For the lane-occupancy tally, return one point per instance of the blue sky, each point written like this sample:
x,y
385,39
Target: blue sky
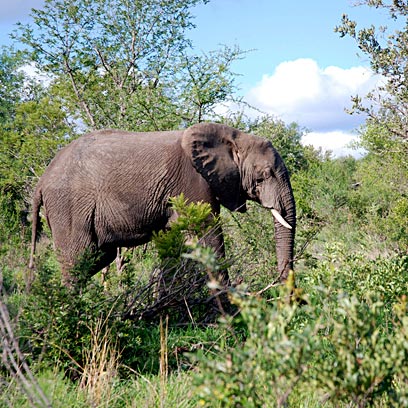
x,y
298,69
280,30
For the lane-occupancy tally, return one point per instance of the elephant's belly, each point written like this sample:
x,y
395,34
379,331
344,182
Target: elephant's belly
x,y
128,232
129,241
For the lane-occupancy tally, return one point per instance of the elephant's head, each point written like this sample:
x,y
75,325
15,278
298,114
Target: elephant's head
x,y
239,166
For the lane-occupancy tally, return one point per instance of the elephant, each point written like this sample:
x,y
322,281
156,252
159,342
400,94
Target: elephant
x,y
111,188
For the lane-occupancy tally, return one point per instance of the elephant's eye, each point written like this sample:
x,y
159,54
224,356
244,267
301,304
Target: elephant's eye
x,y
267,174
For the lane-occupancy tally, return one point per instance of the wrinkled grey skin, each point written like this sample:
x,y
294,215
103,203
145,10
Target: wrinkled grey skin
x,y
111,188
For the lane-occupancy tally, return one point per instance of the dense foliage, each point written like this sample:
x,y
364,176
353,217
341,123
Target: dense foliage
x,y
337,338
132,68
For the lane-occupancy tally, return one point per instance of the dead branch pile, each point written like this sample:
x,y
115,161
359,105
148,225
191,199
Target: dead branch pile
x,y
13,363
181,292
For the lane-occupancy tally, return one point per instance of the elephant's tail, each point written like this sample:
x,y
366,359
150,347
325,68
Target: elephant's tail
x,y
36,223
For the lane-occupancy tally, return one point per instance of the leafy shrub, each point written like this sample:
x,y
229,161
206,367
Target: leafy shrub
x,y
57,322
359,358
250,246
380,201
354,274
194,221
267,367
343,347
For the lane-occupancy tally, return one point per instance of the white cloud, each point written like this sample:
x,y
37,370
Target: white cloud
x,y
300,91
336,141
33,72
315,98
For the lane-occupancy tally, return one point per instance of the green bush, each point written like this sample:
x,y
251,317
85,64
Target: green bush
x,y
357,358
266,368
348,345
56,322
194,221
354,274
250,246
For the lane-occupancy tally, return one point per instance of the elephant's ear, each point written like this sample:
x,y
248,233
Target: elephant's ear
x,y
213,151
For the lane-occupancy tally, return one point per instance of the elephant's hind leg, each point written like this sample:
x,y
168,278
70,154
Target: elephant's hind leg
x,y
104,257
78,271
77,250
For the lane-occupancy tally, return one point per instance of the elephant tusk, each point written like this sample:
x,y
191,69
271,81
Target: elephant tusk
x,y
280,219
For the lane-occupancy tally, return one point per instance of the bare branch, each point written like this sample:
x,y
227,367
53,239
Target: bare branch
x,y
15,362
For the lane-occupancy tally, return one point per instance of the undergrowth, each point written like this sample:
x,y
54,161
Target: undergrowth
x,y
341,342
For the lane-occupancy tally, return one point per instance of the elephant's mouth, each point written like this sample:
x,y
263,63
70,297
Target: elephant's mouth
x,y
280,219
275,212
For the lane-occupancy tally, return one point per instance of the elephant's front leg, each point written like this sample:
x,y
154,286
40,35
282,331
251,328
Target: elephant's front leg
x,y
219,295
215,240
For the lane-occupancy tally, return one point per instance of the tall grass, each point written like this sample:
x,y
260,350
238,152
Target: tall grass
x,y
101,364
164,361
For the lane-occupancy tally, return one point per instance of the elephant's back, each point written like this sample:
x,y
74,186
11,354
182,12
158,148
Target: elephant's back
x,y
108,148
114,143
110,160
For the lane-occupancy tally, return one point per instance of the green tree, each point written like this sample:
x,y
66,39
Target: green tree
x,y
387,51
383,174
33,126
204,81
11,83
128,64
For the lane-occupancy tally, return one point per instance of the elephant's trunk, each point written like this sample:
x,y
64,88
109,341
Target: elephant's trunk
x,y
285,237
